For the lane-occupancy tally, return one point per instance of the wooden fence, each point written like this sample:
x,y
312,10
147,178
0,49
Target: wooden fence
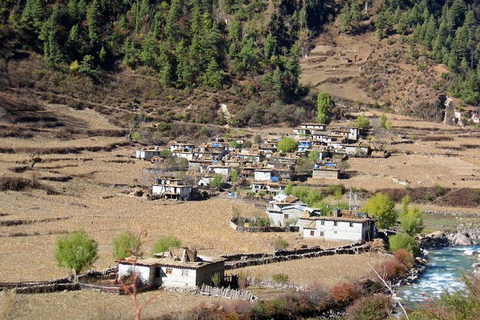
x,y
228,293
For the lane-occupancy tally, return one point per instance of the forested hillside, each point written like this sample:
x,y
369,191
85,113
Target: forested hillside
x,y
158,61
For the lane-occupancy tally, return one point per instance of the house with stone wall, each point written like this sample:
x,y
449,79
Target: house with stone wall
x,y
354,228
184,268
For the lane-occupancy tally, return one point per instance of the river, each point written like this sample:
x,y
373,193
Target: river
x,y
444,271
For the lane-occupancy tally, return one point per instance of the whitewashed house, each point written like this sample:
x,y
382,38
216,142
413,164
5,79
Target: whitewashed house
x,y
263,174
189,155
291,215
147,154
267,187
357,151
219,169
181,147
286,209
170,270
307,129
339,228
171,188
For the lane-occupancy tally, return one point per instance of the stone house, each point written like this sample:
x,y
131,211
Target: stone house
x,y
171,269
339,228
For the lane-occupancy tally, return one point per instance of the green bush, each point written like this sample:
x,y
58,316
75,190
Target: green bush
x,y
126,245
280,243
362,122
281,278
165,243
287,144
439,190
412,222
404,241
216,279
76,251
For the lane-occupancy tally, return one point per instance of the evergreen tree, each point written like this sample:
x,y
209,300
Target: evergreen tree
x,y
33,14
93,19
147,55
49,36
430,32
213,76
384,23
457,14
270,45
277,80
174,14
72,45
183,71
235,31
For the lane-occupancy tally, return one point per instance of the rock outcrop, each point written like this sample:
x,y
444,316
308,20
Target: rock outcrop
x,y
460,239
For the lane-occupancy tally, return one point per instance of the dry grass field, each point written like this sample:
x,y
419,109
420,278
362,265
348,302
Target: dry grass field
x,y
79,180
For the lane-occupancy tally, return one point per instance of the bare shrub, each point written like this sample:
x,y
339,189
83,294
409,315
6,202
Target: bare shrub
x,y
374,307
393,269
344,293
316,294
404,257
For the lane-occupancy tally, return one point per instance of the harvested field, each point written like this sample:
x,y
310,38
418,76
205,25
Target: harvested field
x,y
87,305
328,270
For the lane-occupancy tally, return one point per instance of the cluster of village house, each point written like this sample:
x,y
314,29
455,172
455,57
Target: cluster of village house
x,y
267,171
263,166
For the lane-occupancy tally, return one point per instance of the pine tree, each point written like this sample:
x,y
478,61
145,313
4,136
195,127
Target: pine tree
x,y
457,14
174,14
235,31
270,45
196,18
33,14
430,32
184,72
49,36
72,45
93,19
147,55
213,76
384,23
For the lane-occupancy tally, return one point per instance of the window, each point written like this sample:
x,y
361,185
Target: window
x,y
312,232
322,234
351,224
157,272
285,216
184,273
335,223
168,271
322,223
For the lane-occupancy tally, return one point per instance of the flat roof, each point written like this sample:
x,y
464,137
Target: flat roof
x,y
166,262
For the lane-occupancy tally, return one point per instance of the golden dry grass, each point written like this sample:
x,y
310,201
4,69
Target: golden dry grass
x,y
328,271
